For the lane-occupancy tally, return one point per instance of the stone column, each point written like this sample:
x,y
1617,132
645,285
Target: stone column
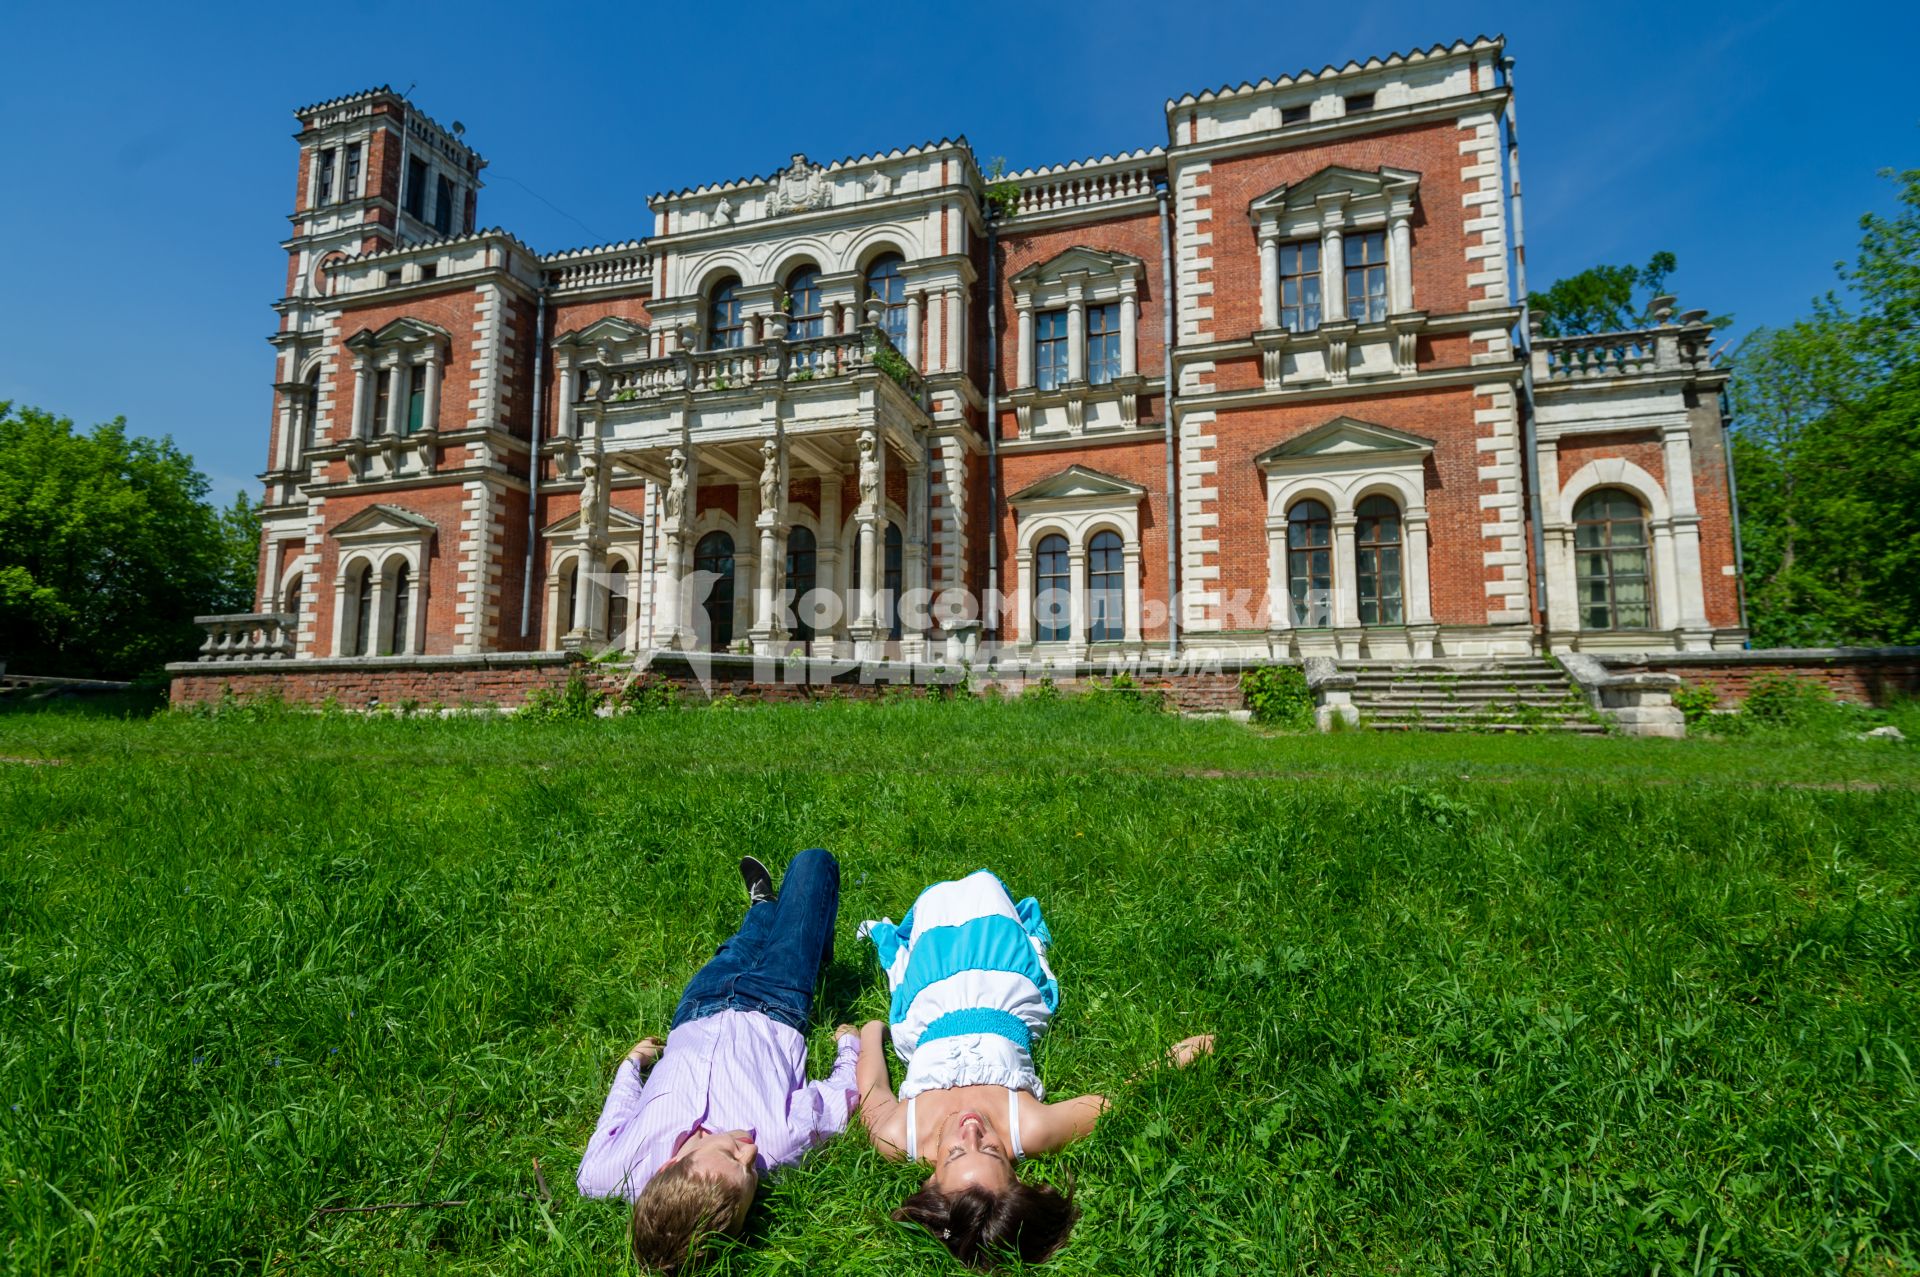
x,y
954,329
1689,589
1414,578
913,574
746,561
1269,279
867,635
1076,601
1129,328
1333,272
430,401
564,424
676,522
396,399
1346,572
1400,258
1279,601
768,630
1131,580
1076,335
1024,356
1665,570
916,308
362,397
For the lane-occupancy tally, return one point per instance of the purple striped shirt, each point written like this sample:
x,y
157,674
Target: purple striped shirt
x,y
734,1070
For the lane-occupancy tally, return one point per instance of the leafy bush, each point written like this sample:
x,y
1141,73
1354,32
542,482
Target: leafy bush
x,y
1124,689
1697,701
647,693
1044,690
576,702
1277,695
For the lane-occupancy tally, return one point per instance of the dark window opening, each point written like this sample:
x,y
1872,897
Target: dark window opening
x,y
443,207
324,190
885,284
350,185
1295,114
802,576
1310,564
1359,103
714,554
1106,588
416,200
1052,590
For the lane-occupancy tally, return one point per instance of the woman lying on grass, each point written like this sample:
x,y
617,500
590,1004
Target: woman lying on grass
x,y
971,991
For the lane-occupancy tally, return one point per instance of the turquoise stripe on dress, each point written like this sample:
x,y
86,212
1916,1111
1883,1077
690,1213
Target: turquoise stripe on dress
x,y
994,943
958,1024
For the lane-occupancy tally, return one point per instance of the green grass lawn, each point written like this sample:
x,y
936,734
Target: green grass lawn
x,y
1533,1005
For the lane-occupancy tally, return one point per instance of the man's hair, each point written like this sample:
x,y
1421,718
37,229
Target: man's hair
x,y
982,1227
676,1213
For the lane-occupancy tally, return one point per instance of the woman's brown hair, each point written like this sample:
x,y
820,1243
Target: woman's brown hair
x,y
981,1227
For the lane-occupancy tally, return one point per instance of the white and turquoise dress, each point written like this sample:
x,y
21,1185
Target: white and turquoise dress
x,y
971,988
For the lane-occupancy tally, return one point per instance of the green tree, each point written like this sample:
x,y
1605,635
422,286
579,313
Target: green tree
x,y
1827,442
1605,299
108,549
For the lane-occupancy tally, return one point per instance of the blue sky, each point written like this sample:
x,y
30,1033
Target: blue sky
x,y
150,164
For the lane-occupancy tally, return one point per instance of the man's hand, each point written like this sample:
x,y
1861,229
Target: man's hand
x,y
645,1052
1187,1050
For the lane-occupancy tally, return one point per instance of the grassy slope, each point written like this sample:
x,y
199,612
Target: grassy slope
x,y
1538,1004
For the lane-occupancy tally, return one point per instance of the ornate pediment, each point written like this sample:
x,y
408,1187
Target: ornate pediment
x,y
381,522
1355,184
1078,260
618,522
1344,438
802,187
612,330
401,332
1077,485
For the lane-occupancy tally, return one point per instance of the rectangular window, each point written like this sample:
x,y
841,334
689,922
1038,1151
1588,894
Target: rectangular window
x,y
382,396
391,278
323,190
1359,103
1295,114
350,183
443,207
416,397
430,271
1367,277
1103,343
1050,349
1300,286
416,199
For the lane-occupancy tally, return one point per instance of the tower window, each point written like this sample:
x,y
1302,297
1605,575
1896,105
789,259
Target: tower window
x,y
1359,103
1295,114
350,183
443,206
323,190
416,200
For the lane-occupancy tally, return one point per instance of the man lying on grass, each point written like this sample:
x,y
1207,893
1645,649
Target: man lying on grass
x,y
728,1097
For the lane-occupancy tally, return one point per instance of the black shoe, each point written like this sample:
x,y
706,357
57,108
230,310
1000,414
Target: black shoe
x,y
760,888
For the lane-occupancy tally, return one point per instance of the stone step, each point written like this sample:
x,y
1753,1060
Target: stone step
x,y
1505,680
1468,702
1578,727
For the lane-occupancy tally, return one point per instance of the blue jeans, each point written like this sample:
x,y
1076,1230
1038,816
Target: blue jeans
x,y
772,963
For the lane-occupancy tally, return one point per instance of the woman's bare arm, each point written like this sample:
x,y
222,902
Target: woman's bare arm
x,y
884,1117
1059,1124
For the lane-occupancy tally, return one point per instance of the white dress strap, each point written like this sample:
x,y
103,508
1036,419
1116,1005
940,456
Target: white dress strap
x,y
1013,1123
913,1132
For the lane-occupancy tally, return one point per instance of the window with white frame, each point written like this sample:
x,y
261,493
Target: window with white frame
x,y
1300,285
1050,350
1103,343
397,379
1366,277
1078,314
1336,244
1053,589
1106,588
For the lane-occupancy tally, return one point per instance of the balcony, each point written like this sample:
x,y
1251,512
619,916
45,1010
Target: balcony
x,y
247,636
1681,349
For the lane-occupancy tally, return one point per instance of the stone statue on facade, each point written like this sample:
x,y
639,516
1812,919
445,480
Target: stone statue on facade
x,y
674,503
869,472
593,501
770,476
723,212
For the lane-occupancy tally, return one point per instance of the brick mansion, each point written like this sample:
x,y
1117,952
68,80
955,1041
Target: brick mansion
x,y
1263,388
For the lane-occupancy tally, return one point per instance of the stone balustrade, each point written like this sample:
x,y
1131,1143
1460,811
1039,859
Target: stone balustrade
x,y
1668,348
597,268
1053,190
776,359
247,636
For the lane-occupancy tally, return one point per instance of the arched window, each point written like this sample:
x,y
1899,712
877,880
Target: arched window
x,y
1377,561
570,602
309,417
290,600
1052,590
715,554
1106,588
360,590
1310,564
802,574
399,607
1610,561
725,328
803,303
884,283
617,603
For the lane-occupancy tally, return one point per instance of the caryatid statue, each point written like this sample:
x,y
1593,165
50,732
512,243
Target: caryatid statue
x,y
869,472
675,501
770,485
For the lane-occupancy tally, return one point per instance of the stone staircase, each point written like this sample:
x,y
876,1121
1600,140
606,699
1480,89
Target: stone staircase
x,y
1499,694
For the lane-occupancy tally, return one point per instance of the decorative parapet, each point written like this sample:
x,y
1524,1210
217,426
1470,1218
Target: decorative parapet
x,y
1666,349
626,265
1637,703
775,360
1086,184
247,636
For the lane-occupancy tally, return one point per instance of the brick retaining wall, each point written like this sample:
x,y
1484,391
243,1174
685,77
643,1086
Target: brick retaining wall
x,y
1863,675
